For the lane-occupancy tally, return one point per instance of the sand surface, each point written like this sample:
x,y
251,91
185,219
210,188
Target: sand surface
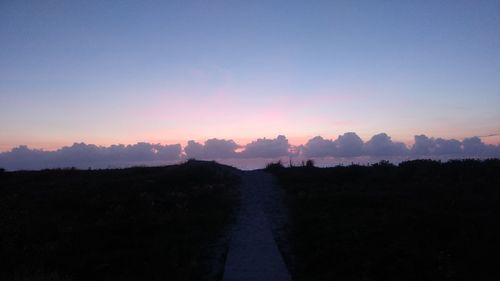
x,y
253,252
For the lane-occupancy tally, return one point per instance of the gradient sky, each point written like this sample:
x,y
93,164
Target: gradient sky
x,y
107,72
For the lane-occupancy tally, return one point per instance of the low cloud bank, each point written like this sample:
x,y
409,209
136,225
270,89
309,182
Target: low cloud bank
x,y
227,149
212,149
267,148
83,155
351,145
346,146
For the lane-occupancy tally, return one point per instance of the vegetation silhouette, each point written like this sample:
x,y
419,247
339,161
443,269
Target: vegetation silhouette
x,y
122,224
419,220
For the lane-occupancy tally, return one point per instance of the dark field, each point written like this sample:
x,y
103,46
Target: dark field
x,y
127,224
421,220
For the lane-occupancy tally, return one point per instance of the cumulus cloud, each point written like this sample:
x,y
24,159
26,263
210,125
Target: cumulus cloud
x,y
23,157
447,147
475,147
212,149
267,148
319,147
423,146
194,150
472,147
224,149
382,145
348,145
83,155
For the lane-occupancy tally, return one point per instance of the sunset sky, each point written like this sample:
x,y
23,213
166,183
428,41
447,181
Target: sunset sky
x,y
109,72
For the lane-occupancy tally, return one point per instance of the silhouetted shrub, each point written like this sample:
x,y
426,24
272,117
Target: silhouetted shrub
x,y
275,166
384,163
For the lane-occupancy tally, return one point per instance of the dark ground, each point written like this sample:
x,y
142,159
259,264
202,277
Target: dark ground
x,y
421,220
127,224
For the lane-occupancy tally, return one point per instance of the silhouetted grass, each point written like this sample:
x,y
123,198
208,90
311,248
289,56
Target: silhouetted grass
x,y
123,224
421,220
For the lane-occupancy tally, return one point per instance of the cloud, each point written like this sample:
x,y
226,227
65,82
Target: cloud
x,y
212,149
447,147
24,158
382,145
472,147
423,146
224,149
194,150
348,145
267,148
220,148
83,155
319,147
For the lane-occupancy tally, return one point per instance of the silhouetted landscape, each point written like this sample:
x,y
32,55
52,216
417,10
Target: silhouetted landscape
x,y
420,220
235,140
125,224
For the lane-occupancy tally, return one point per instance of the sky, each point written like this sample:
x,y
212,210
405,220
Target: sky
x,y
166,72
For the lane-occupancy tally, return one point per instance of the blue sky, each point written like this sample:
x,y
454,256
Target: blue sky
x,y
108,72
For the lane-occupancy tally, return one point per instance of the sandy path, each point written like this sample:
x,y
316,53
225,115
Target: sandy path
x,y
253,252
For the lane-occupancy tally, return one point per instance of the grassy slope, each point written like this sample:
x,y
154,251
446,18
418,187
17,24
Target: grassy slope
x,y
423,220
124,224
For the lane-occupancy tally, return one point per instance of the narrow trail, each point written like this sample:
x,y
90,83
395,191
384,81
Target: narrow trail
x,y
253,252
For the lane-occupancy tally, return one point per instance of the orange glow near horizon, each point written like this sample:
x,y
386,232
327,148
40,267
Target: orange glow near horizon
x,y
494,140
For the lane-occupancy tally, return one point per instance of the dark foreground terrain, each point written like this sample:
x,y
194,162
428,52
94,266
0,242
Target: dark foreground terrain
x,y
421,220
124,224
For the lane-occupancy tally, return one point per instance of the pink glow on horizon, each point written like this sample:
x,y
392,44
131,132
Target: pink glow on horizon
x,y
494,140
171,117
